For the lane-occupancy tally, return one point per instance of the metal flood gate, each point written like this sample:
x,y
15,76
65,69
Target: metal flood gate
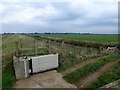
x,y
24,66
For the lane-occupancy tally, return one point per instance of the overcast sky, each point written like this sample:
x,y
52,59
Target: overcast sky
x,y
78,16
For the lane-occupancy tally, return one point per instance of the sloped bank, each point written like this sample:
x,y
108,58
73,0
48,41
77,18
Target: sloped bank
x,y
80,43
72,51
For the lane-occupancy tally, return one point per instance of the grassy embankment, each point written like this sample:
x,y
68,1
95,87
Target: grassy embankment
x,y
8,50
71,60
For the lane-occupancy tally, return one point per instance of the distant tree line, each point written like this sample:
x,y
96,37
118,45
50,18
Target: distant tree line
x,y
45,33
62,33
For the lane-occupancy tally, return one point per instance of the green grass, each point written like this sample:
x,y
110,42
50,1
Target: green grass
x,y
68,62
8,78
109,76
71,60
87,69
0,77
9,46
91,37
40,51
8,50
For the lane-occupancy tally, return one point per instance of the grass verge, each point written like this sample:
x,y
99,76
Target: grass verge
x,y
109,76
71,60
8,78
8,50
82,72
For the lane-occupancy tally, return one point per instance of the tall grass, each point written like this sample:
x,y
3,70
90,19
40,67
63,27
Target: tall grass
x,y
89,68
8,50
110,75
9,47
8,77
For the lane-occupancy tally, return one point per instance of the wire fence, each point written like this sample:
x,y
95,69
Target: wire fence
x,y
26,48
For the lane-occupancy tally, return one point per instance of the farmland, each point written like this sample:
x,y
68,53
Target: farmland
x,y
83,37
76,62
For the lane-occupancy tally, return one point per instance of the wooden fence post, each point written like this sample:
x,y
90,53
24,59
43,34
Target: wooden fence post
x,y
49,46
21,46
35,49
62,44
17,50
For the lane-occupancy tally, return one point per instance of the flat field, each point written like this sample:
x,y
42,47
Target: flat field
x,y
85,37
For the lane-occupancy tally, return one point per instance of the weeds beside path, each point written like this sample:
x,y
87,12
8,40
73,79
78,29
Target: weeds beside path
x,y
93,76
69,70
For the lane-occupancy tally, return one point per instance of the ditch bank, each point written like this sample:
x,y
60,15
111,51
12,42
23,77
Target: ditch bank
x,y
80,43
72,52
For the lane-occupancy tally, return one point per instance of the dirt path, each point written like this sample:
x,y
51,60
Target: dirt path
x,y
93,76
69,70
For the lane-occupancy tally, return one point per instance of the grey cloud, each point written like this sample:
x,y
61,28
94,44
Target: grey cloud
x,y
67,19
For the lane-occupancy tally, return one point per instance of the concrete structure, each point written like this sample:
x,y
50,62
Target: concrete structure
x,y
46,62
21,67
24,66
115,84
50,79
